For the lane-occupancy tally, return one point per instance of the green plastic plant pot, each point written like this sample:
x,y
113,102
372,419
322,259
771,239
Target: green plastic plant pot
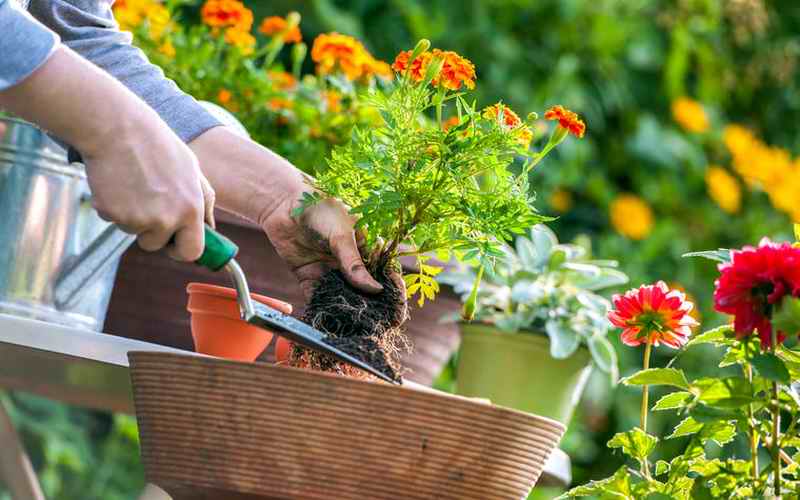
x,y
516,370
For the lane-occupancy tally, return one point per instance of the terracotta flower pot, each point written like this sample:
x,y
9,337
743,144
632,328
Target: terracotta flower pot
x,y
213,429
217,327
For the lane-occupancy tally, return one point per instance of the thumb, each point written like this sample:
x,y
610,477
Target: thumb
x,y
345,250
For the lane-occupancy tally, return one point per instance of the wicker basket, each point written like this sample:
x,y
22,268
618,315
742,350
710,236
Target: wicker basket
x,y
219,429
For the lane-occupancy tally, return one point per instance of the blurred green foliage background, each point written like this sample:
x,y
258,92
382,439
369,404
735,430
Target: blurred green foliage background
x,y
621,65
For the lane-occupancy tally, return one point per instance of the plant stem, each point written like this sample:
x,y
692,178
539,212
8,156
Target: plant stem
x,y
776,427
750,424
645,406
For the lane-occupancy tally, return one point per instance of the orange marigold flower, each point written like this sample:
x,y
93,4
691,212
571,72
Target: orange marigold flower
x,y
224,96
456,71
416,68
282,80
509,118
241,39
279,103
167,49
450,123
275,25
227,14
333,100
378,68
524,136
567,120
333,51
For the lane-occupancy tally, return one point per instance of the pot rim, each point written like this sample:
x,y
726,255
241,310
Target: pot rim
x,y
224,292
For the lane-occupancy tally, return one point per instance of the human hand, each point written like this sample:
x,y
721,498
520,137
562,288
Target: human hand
x,y
254,182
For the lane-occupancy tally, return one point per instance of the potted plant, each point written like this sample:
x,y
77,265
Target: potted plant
x,y
422,185
539,325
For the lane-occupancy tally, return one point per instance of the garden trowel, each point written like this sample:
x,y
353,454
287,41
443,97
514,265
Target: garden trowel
x,y
219,254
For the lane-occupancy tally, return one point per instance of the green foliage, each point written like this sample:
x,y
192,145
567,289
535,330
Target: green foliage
x,y
713,409
541,285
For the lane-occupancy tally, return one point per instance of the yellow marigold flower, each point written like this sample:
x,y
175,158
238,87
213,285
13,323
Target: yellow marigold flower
x,y
631,216
167,49
282,80
332,51
456,71
227,14
561,200
275,25
158,18
568,120
241,39
738,139
333,101
690,115
724,189
224,96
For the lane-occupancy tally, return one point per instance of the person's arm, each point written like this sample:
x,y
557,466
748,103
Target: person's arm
x,y
25,44
252,181
88,27
142,176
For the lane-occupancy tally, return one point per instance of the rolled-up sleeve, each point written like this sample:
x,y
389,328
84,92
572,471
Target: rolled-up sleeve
x,y
88,27
25,44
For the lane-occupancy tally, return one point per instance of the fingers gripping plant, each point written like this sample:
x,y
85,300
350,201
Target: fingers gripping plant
x,y
420,185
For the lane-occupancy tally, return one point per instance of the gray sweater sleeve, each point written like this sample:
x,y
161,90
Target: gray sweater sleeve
x,y
88,27
25,44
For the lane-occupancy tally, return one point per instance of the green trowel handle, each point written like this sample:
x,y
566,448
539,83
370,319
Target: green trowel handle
x,y
218,252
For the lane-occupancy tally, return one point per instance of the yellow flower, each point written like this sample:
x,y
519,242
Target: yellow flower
x,y
690,115
167,49
631,216
241,39
158,19
723,189
561,200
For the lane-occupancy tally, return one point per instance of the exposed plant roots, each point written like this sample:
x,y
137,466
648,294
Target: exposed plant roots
x,y
368,327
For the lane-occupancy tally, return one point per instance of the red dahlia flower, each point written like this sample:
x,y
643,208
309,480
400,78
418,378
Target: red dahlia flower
x,y
654,314
754,283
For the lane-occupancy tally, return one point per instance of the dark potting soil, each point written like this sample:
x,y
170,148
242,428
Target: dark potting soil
x,y
366,326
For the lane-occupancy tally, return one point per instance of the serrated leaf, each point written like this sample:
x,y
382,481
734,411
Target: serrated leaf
x,y
662,467
686,427
635,443
771,367
717,336
658,376
728,392
616,486
673,401
707,414
720,432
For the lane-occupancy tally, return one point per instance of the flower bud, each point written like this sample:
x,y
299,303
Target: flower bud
x,y
532,117
422,46
292,20
434,68
468,311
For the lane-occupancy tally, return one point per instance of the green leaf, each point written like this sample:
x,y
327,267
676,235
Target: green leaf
x,y
771,367
787,316
635,443
658,376
721,255
708,414
662,467
720,432
729,392
686,427
717,336
563,341
673,401
616,486
604,355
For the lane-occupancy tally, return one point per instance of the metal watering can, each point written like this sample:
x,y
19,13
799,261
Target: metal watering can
x,y
58,259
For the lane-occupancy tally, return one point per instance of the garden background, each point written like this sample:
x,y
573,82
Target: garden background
x,y
690,108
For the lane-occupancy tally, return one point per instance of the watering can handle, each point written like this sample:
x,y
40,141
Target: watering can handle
x,y
111,244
